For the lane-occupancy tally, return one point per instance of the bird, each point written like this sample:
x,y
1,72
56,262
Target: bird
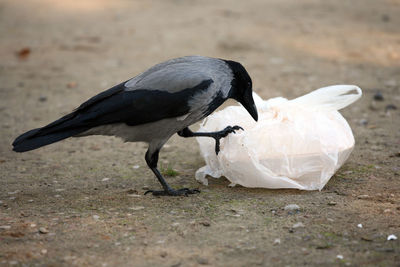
x,y
154,105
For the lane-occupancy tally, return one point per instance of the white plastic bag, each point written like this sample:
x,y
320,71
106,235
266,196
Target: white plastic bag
x,y
299,143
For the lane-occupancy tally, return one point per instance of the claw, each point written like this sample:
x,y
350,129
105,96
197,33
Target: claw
x,y
180,192
224,133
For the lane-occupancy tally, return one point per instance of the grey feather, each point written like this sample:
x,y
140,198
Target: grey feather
x,y
181,73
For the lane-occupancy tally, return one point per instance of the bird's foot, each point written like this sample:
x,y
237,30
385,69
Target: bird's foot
x,y
224,133
228,130
171,192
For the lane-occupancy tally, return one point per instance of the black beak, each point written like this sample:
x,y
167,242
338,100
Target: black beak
x,y
248,104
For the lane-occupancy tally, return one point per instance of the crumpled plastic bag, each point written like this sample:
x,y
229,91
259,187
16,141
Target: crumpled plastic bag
x,y
297,143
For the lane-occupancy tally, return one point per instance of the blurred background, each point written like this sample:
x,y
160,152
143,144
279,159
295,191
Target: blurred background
x,y
288,46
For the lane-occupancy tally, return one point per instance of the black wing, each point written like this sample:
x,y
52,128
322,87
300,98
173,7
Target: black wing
x,y
115,105
135,107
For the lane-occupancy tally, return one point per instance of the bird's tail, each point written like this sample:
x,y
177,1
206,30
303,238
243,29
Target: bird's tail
x,y
58,130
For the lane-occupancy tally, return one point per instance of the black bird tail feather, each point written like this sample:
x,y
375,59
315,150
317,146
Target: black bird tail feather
x,y
94,112
58,130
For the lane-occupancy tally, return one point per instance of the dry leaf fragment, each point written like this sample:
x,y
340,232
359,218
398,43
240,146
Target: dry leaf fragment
x,y
24,53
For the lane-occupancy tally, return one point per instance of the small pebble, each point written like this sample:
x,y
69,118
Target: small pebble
x,y
134,195
105,179
359,225
277,241
363,196
72,84
132,191
30,200
202,261
298,225
137,208
96,217
43,251
175,224
391,237
43,230
136,166
390,107
363,122
5,227
340,257
332,203
292,207
43,98
373,106
232,215
33,225
205,223
378,96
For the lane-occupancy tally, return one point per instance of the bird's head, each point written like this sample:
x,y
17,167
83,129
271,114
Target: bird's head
x,y
241,89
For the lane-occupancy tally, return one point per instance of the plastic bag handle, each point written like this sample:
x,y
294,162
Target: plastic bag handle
x,y
333,97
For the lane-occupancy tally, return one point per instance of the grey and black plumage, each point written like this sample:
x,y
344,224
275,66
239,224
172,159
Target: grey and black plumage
x,y
151,107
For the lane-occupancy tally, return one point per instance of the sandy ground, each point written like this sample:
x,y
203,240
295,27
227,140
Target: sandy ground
x,y
80,202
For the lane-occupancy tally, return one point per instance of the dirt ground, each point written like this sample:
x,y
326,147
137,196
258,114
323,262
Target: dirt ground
x,y
80,202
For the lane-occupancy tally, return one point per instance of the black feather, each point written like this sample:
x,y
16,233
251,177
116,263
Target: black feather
x,y
27,144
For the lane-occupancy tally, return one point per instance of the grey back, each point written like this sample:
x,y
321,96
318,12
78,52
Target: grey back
x,y
181,73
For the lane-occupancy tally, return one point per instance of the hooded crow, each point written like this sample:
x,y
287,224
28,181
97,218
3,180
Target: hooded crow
x,y
151,107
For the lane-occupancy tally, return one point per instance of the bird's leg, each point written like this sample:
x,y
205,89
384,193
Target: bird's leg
x,y
152,159
186,132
